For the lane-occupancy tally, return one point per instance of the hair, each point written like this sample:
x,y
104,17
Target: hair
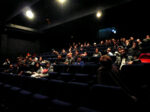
x,y
106,61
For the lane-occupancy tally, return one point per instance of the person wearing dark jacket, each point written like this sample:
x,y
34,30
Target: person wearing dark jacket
x,y
106,71
108,75
123,59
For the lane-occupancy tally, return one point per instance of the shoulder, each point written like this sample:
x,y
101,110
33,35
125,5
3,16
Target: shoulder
x,y
101,69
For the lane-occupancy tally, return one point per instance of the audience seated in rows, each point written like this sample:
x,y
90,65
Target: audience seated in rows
x,y
123,52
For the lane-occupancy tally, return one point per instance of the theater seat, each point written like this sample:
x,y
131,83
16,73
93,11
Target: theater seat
x,y
90,68
52,75
133,76
55,89
61,106
85,109
94,59
61,68
81,78
75,69
23,101
75,93
13,98
40,102
103,97
65,76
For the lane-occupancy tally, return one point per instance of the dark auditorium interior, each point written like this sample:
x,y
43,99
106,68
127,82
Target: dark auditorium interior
x,y
74,55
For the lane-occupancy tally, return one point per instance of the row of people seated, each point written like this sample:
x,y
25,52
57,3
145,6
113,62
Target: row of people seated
x,y
109,75
106,73
102,46
74,55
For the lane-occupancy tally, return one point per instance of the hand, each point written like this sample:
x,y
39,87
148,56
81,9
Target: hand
x,y
130,62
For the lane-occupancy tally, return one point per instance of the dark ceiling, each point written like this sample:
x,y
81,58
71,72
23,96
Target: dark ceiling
x,y
48,13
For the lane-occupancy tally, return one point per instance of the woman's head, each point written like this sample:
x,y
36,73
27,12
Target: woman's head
x,y
106,61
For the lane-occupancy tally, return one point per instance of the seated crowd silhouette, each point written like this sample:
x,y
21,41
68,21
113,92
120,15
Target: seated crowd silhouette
x,y
86,77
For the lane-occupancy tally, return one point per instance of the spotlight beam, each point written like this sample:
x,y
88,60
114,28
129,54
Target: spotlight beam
x,y
21,27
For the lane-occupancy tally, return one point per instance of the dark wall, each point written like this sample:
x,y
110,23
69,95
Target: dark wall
x,y
17,43
80,30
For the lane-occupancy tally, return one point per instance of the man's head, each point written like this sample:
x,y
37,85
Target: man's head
x,y
119,49
37,65
76,53
48,64
134,45
122,52
59,57
101,42
69,55
30,59
96,50
40,58
63,51
94,44
79,59
147,37
11,66
132,38
108,49
138,40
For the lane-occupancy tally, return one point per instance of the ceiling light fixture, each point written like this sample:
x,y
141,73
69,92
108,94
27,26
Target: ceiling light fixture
x,y
29,14
61,1
99,14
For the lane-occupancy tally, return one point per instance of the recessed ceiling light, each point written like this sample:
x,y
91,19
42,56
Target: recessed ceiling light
x,y
62,1
99,14
29,14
